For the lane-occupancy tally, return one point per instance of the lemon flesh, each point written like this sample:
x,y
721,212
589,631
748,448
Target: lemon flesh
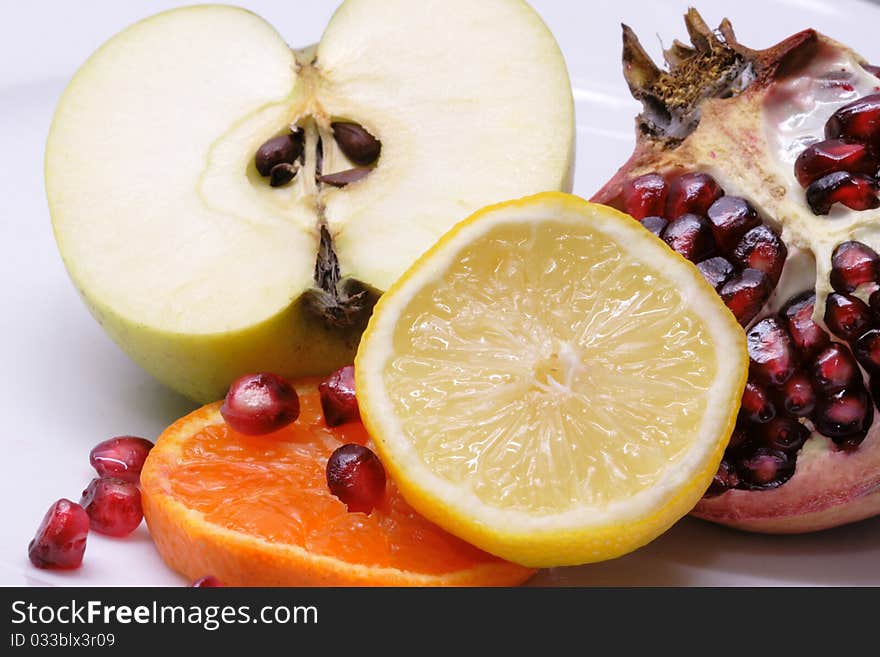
x,y
551,382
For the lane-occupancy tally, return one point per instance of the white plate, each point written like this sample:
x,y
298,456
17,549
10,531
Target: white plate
x,y
64,386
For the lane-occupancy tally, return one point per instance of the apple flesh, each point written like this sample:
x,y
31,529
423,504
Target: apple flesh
x,y
196,266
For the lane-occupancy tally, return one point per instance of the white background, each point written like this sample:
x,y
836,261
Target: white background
x,y
64,386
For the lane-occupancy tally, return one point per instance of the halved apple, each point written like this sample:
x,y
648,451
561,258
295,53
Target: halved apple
x,y
196,266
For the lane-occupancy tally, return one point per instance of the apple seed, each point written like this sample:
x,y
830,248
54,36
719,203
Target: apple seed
x,y
282,174
342,178
358,145
282,149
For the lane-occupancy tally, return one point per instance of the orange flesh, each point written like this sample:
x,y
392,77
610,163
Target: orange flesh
x,y
274,487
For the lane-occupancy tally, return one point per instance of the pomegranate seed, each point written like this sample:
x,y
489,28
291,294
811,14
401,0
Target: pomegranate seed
x,y
797,395
207,582
784,434
771,353
760,248
738,439
121,457
645,196
746,294
260,403
113,506
867,351
338,400
854,264
832,155
850,189
730,218
756,405
60,541
765,468
717,271
691,193
847,316
725,479
834,369
690,236
355,475
655,224
845,414
808,337
858,121
874,303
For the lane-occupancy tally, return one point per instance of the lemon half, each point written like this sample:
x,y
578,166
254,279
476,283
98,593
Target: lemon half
x,y
551,382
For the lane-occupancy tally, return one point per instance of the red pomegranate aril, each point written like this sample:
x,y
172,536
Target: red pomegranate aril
x,y
730,217
834,368
808,337
655,224
855,191
746,294
645,196
765,468
691,193
847,316
338,400
784,434
857,121
845,415
122,457
756,404
797,396
690,236
258,404
725,479
717,271
60,541
854,264
874,303
113,506
771,354
356,476
207,582
832,155
760,248
867,351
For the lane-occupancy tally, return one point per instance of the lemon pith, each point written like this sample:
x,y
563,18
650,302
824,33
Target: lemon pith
x,y
550,382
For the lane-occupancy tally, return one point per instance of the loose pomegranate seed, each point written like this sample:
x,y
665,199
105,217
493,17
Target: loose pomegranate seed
x,y
645,196
717,271
756,405
855,191
60,541
847,316
746,294
725,479
338,400
691,193
765,468
784,435
113,506
121,457
808,337
655,224
760,248
845,415
771,353
260,403
207,582
867,351
834,369
730,218
833,155
690,236
797,396
858,121
355,475
854,264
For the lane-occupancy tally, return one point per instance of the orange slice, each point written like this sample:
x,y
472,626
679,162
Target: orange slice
x,y
256,511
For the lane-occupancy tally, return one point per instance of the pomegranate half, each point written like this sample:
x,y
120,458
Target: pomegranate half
x,y
763,167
